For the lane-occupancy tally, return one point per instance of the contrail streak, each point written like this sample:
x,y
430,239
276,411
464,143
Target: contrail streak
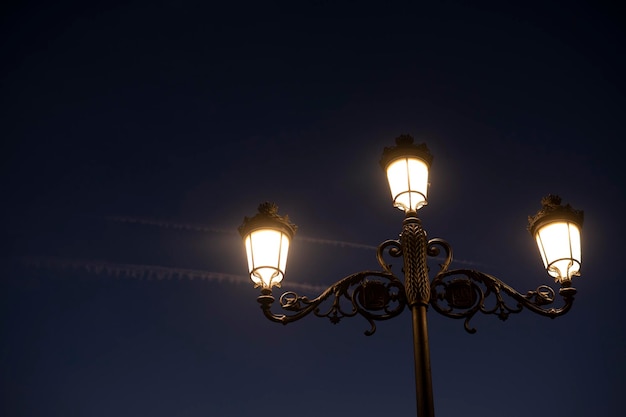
x,y
168,225
338,243
208,229
143,272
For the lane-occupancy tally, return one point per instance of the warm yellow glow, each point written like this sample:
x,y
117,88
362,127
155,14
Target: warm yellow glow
x,y
267,256
560,248
408,182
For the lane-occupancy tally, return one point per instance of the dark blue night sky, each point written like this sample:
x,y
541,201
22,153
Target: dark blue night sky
x,y
137,135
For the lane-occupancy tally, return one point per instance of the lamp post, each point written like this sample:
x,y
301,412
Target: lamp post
x,y
381,295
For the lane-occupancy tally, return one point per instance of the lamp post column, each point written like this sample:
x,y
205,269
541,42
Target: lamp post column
x,y
414,251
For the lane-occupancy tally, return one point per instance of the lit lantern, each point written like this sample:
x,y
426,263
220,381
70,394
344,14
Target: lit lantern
x,y
266,237
557,230
407,166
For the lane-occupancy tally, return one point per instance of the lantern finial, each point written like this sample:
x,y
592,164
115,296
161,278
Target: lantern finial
x,y
552,210
405,148
267,217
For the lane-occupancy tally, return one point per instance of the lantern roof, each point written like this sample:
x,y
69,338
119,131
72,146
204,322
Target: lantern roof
x,y
405,148
552,211
267,218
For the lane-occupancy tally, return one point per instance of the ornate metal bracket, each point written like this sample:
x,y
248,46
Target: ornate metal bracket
x,y
461,293
374,299
375,295
380,295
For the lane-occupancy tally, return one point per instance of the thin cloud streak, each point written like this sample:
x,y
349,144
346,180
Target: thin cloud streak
x,y
208,229
143,272
168,225
338,243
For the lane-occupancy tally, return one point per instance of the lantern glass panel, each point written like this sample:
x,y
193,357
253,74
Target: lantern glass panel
x,y
408,182
267,251
560,248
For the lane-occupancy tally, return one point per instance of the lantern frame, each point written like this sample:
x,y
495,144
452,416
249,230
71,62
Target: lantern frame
x,y
409,196
276,250
551,214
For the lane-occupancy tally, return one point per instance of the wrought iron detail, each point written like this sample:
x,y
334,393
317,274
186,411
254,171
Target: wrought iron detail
x,y
462,293
551,208
380,295
380,298
434,249
393,248
413,242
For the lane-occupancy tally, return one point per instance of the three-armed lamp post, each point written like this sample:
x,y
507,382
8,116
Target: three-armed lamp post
x,y
380,295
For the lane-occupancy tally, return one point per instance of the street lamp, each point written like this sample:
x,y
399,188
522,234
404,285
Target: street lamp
x,y
381,295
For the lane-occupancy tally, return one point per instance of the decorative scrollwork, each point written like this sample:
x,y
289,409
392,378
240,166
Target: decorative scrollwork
x,y
462,293
433,250
372,294
380,295
393,247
